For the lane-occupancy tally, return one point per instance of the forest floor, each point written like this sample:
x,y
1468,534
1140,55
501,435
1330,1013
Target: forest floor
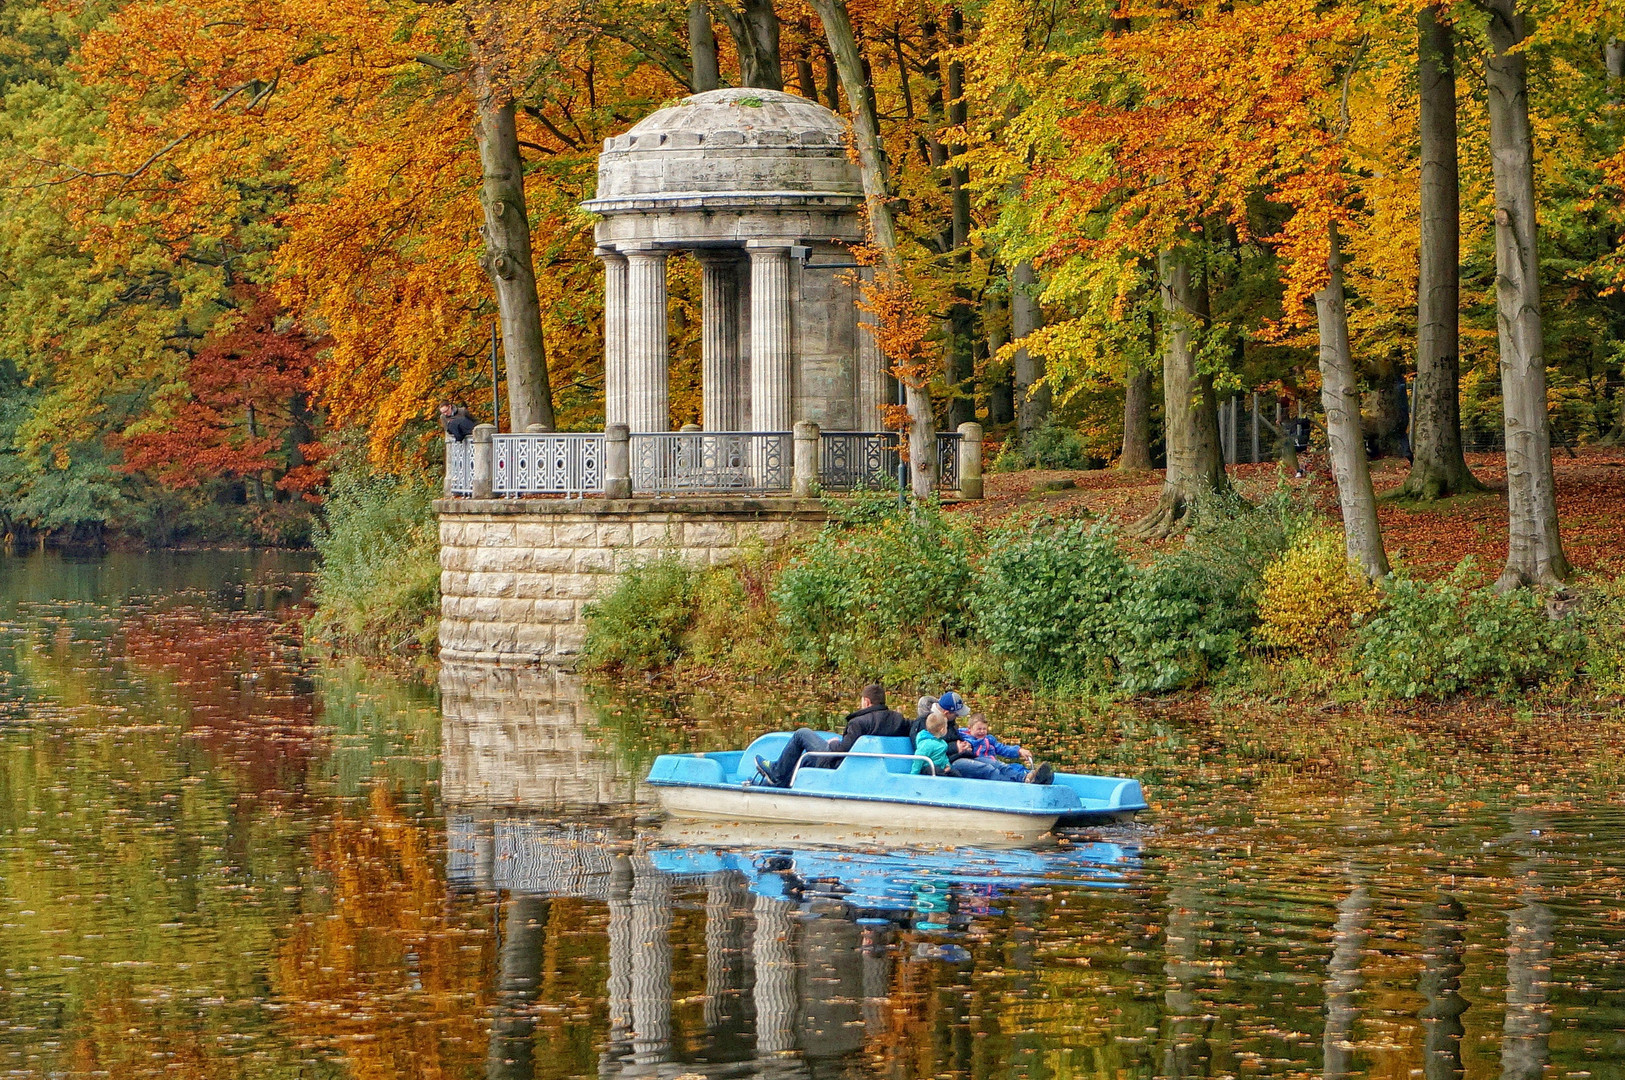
x,y
1429,538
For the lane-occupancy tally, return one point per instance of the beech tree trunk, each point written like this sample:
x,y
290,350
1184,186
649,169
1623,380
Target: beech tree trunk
x,y
1136,421
1340,395
755,31
1443,931
876,173
1032,400
507,259
1438,468
1000,378
1190,412
702,48
1534,549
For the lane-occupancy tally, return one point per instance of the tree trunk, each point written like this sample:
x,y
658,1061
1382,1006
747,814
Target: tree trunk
x,y
755,31
1340,395
876,173
702,47
1388,409
1136,421
1032,400
962,318
1343,981
507,259
1001,385
1534,549
1438,468
510,1055
1190,412
1440,986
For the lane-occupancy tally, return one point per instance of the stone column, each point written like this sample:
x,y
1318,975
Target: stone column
x,y
722,383
871,378
772,347
617,462
651,962
484,464
614,336
970,460
647,344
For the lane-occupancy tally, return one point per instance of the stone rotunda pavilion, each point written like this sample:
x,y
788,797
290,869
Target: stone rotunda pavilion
x,y
759,186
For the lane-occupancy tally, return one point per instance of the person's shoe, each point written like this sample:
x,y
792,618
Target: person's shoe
x,y
1041,774
764,772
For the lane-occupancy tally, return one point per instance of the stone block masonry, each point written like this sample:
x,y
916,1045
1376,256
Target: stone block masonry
x,y
516,574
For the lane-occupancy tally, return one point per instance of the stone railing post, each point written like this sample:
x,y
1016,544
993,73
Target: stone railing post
x,y
970,461
484,462
538,429
445,485
617,461
690,429
804,478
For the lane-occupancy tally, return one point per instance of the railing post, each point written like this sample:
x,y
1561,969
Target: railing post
x,y
970,461
538,429
446,486
617,461
804,477
690,429
484,463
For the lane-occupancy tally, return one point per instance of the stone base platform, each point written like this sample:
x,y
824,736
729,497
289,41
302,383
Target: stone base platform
x,y
515,574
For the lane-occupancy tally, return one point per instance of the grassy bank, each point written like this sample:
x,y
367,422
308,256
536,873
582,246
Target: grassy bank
x,y
1258,601
378,585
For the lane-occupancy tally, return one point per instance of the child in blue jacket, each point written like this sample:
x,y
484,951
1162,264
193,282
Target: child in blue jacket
x,y
989,750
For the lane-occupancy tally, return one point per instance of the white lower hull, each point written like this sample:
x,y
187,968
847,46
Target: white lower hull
x,y
770,805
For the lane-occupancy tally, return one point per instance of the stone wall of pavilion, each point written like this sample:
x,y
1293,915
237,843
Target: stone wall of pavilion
x,y
515,574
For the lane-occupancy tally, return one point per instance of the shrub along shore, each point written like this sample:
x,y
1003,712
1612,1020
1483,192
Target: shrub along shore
x,y
1257,600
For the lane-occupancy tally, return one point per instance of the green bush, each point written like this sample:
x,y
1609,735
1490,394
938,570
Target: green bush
x,y
1604,602
855,594
378,585
1434,639
640,624
1063,607
1049,446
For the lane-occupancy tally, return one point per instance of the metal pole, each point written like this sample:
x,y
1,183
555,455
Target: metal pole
x,y
1255,427
496,401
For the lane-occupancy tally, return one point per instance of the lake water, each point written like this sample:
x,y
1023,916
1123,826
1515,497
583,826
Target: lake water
x,y
219,858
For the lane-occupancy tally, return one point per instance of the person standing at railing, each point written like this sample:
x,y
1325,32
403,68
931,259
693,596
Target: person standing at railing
x,y
456,421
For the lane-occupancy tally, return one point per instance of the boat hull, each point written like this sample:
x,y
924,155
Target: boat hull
x,y
783,806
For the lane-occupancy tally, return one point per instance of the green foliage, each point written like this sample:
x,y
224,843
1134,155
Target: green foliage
x,y
640,624
1435,639
735,622
1605,634
1052,445
859,593
378,587
1064,607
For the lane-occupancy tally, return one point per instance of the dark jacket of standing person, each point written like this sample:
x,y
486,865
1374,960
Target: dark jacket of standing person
x,y
458,424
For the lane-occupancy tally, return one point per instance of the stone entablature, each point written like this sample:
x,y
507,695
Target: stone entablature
x,y
516,574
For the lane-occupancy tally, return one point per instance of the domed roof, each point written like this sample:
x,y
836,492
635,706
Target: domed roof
x,y
735,142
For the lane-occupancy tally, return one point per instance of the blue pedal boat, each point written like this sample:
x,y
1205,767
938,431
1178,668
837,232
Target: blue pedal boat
x,y
874,787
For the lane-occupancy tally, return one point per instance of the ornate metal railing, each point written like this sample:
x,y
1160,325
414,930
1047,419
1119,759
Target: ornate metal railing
x,y
948,460
460,467
687,461
854,460
547,464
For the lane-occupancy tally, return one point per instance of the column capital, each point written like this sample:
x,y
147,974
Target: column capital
x,y
723,255
769,247
608,253
645,251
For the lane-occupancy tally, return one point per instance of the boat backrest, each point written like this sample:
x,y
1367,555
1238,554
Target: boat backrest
x,y
769,746
883,744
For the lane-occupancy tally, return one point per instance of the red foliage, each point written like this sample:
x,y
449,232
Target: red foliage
x,y
246,388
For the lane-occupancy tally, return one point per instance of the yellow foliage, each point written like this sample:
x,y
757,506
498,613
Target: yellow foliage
x,y
1312,595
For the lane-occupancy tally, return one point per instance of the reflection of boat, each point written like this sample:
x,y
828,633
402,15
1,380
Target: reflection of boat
x,y
871,787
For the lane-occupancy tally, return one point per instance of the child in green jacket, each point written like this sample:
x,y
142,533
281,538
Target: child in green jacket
x,y
928,742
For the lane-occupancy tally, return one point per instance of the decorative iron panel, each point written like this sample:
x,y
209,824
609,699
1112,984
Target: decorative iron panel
x,y
855,460
948,461
460,466
686,461
548,464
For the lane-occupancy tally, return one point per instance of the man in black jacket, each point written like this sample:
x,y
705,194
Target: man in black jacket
x,y
871,718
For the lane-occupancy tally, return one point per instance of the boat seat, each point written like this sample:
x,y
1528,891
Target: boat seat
x,y
882,744
769,746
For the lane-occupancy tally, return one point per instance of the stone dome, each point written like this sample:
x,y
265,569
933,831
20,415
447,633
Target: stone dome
x,y
721,146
